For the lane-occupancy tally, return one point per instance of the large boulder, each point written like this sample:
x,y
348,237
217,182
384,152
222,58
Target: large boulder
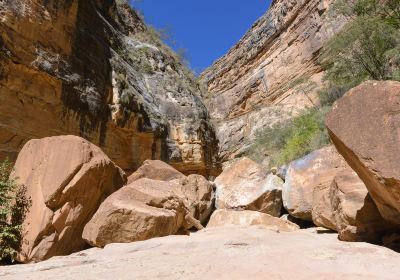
x,y
224,218
246,185
156,170
141,210
198,192
337,200
66,178
303,176
364,125
355,213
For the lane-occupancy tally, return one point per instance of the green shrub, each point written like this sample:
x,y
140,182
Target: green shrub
x,y
368,47
292,139
13,206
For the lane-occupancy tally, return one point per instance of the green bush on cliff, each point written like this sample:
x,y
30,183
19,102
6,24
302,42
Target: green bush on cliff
x,y
291,139
368,47
13,206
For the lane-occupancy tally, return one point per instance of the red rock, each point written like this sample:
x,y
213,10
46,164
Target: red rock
x,y
66,178
364,125
142,210
355,213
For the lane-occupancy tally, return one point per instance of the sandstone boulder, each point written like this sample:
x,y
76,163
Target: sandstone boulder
x,y
196,191
364,125
141,210
355,213
156,170
246,185
66,179
224,218
315,170
199,196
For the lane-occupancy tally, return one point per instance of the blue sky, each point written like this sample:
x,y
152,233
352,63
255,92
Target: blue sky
x,y
207,29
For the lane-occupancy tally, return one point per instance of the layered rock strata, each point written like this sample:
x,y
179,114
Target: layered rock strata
x,y
271,74
94,69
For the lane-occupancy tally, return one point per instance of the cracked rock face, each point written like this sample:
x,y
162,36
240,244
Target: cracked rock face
x,y
66,179
271,74
92,68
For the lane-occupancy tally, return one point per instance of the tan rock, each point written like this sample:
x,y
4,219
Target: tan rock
x,y
315,170
199,196
56,80
66,178
226,218
141,210
246,185
223,253
156,170
364,126
355,213
322,210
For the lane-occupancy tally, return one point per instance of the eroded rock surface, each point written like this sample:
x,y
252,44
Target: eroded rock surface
x,y
156,170
148,208
142,210
246,185
226,218
223,253
92,68
316,170
271,74
355,213
66,179
199,196
364,125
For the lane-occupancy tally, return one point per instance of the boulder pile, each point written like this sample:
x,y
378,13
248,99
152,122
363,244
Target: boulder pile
x,y
81,198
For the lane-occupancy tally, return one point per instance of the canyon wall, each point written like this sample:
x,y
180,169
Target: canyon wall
x,y
271,74
93,68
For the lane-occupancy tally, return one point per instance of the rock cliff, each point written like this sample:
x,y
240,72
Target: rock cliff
x,y
93,68
271,74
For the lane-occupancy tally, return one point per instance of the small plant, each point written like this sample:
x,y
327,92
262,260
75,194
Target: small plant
x,y
13,206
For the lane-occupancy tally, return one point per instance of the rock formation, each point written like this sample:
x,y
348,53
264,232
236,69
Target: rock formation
x,y
316,170
322,188
199,196
148,208
156,170
365,127
226,218
246,185
66,179
92,68
272,73
355,214
142,210
224,253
